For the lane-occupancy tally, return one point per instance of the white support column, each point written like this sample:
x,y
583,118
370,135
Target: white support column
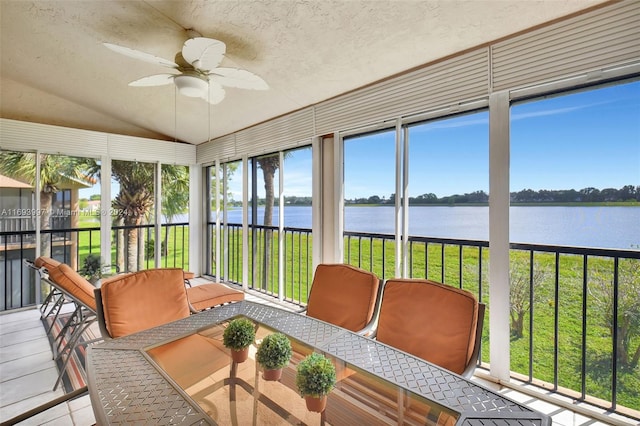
x,y
281,269
36,189
223,271
197,226
405,203
317,222
36,208
157,230
337,197
245,222
105,210
499,234
217,242
399,228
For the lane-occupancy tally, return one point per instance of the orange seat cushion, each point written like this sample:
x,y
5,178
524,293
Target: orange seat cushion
x,y
74,284
209,295
433,321
46,262
343,295
189,275
142,300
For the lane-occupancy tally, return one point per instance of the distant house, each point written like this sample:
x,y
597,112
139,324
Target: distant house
x,y
18,216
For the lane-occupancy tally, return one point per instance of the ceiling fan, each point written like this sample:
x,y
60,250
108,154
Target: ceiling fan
x,y
198,73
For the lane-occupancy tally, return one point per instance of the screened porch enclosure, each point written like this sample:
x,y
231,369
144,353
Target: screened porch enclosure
x,y
263,206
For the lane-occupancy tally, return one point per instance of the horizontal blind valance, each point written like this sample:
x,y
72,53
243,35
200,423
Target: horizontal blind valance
x,y
223,148
278,134
601,38
21,135
450,81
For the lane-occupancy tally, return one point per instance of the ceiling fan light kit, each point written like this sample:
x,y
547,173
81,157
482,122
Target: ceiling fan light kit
x,y
200,76
192,86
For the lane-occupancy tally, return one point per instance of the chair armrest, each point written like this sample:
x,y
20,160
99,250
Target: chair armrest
x,y
471,366
370,329
100,315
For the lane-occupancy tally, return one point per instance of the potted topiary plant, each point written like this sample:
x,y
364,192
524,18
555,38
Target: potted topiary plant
x,y
238,336
92,269
274,354
315,378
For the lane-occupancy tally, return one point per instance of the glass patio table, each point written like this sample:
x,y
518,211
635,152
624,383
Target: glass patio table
x,y
181,373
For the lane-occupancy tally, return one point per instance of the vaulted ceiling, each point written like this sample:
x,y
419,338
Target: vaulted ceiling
x,y
55,69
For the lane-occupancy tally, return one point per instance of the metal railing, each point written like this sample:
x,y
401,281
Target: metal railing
x,y
570,305
18,286
264,263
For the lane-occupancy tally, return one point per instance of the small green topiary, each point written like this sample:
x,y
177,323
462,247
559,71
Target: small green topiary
x,y
316,376
239,334
274,351
92,269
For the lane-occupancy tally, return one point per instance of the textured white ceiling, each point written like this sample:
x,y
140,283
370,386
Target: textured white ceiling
x,y
55,70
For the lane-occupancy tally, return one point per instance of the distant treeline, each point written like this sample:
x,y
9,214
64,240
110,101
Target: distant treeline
x,y
627,193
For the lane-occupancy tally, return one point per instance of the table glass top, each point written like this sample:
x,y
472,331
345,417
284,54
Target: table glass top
x,y
237,393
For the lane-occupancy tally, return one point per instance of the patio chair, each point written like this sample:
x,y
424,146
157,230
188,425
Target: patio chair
x,y
141,300
345,296
78,291
51,304
433,321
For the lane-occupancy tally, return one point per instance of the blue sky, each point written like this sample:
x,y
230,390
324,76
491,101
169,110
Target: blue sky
x,y
586,139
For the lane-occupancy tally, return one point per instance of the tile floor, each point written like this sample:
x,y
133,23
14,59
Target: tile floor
x,y
27,375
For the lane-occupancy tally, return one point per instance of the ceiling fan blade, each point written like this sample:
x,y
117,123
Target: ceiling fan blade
x,y
215,95
154,80
242,79
136,54
204,53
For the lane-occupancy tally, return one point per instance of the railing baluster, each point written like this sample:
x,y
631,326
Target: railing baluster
x,y
460,265
442,263
614,375
556,322
531,307
583,361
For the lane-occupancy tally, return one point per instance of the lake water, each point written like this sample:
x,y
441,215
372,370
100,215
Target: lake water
x,y
602,227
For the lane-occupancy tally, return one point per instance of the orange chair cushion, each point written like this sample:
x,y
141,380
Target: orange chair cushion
x,y
209,295
74,284
142,300
343,295
46,262
433,321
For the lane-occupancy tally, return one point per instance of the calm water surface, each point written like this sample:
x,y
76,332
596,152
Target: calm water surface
x,y
603,227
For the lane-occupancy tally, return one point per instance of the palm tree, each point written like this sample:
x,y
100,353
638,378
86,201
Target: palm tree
x,y
269,165
132,204
175,195
55,170
136,199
